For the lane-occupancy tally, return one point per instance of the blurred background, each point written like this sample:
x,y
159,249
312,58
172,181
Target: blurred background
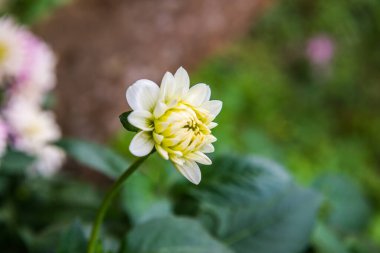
x,y
299,79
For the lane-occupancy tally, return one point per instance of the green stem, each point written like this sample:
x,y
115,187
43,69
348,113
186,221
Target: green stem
x,y
107,201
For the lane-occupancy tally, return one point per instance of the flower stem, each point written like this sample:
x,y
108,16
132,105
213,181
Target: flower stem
x,y
107,201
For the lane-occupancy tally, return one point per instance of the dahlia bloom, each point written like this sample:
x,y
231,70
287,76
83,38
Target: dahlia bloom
x,y
174,119
27,64
27,71
37,75
12,49
32,131
49,160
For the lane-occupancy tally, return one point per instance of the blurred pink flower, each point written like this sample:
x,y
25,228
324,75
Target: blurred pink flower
x,y
27,73
12,47
37,75
320,50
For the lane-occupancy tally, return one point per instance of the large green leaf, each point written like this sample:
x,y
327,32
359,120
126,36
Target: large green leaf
x,y
141,199
254,206
145,195
95,156
172,235
347,209
73,240
327,241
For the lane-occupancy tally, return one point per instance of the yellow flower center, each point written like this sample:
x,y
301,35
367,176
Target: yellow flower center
x,y
32,130
181,129
3,51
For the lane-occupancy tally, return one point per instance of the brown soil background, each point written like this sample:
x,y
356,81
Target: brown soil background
x,y
105,45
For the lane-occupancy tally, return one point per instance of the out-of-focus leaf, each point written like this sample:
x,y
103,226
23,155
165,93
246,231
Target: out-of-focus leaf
x,y
30,11
53,201
326,241
141,200
252,204
145,195
15,161
124,121
10,239
172,235
348,210
362,245
73,240
95,156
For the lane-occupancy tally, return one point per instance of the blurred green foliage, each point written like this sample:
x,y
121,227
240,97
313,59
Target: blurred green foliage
x,y
313,119
277,104
29,11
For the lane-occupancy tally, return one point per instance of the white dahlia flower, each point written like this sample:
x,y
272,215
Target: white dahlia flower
x,y
12,49
174,119
49,160
33,130
31,127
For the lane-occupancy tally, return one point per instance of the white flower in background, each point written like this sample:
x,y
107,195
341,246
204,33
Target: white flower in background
x,y
12,48
49,160
175,119
33,130
3,137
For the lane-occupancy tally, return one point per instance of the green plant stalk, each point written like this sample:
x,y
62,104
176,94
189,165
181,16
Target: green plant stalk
x,y
107,201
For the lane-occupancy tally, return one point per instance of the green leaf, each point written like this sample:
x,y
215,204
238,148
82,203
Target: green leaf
x,y
172,235
95,156
31,11
11,240
326,241
15,161
347,208
124,121
252,203
73,240
141,200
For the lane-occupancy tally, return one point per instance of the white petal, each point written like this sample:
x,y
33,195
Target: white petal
x,y
141,119
191,171
175,152
210,138
212,125
159,109
199,157
182,81
162,152
213,107
143,95
142,144
198,94
208,148
167,88
177,160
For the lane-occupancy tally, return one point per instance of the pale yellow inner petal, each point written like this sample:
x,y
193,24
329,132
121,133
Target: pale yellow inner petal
x,y
182,131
